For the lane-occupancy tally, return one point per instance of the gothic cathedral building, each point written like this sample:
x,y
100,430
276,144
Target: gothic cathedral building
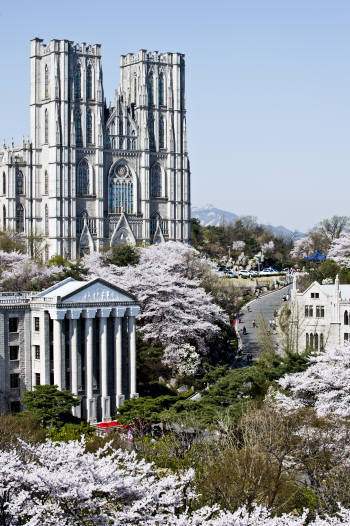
x,y
90,175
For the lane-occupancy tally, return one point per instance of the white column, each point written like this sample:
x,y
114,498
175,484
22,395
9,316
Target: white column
x,y
132,350
73,316
118,342
105,399
44,349
58,351
89,315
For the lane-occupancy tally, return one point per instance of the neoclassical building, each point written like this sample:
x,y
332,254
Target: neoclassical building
x,y
77,335
92,175
320,316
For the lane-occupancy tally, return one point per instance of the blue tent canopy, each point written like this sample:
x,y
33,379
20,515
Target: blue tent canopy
x,y
317,256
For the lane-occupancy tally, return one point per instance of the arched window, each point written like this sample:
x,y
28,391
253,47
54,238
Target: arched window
x,y
156,181
135,88
19,183
346,318
311,341
4,217
161,89
83,178
46,183
89,127
46,127
19,218
121,191
321,342
89,82
152,143
133,141
4,183
316,341
78,130
77,82
46,220
150,89
161,133
46,82
307,341
120,126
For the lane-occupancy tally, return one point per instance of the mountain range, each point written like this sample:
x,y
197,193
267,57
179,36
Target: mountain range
x,y
209,215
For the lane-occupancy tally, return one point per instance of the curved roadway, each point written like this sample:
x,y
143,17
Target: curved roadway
x,y
264,306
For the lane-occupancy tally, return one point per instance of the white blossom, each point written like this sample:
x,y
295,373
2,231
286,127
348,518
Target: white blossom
x,y
184,360
325,385
238,246
268,247
59,484
340,250
175,309
302,248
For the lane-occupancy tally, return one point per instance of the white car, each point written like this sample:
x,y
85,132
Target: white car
x,y
244,272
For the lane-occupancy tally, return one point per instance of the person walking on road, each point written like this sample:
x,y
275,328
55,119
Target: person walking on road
x,y
254,324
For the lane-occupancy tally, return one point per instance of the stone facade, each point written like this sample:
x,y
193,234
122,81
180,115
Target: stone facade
x,y
77,335
92,175
320,316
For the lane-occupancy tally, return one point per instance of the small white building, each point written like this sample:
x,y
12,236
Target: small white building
x,y
78,335
320,316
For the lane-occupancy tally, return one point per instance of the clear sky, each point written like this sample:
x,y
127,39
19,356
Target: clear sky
x,y
268,91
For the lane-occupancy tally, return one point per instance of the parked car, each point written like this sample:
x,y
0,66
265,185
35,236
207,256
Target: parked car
x,y
244,272
231,274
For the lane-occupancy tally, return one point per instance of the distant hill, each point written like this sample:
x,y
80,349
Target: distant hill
x,y
210,216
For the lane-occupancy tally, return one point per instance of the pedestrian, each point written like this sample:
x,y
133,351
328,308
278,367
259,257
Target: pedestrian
x,y
239,320
249,357
257,294
244,330
254,323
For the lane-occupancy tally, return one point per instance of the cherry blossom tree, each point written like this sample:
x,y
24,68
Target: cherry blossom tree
x,y
184,360
340,250
19,272
324,385
238,246
302,248
59,484
175,309
268,247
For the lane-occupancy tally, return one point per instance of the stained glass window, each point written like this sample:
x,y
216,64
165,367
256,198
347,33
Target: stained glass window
x,y
89,82
4,217
19,218
161,133
4,183
83,178
135,88
89,127
161,89
78,130
46,82
19,183
77,83
121,191
156,181
46,125
150,89
152,143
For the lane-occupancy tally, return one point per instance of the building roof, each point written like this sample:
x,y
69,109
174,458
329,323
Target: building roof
x,y
72,290
344,290
67,286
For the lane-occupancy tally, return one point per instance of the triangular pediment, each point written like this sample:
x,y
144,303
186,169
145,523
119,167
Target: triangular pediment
x,y
122,234
98,291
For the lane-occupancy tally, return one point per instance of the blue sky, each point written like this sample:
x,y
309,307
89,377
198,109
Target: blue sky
x,y
268,91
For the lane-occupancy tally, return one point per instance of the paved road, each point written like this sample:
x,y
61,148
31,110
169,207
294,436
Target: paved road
x,y
265,306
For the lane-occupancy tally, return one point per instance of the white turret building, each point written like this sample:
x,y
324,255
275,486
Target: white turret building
x,y
92,175
320,316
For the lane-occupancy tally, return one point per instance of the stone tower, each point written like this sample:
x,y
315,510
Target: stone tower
x,y
92,176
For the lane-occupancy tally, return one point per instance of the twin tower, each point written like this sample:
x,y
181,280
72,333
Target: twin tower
x,y
91,175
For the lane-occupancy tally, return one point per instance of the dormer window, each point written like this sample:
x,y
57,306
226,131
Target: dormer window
x,y
315,295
